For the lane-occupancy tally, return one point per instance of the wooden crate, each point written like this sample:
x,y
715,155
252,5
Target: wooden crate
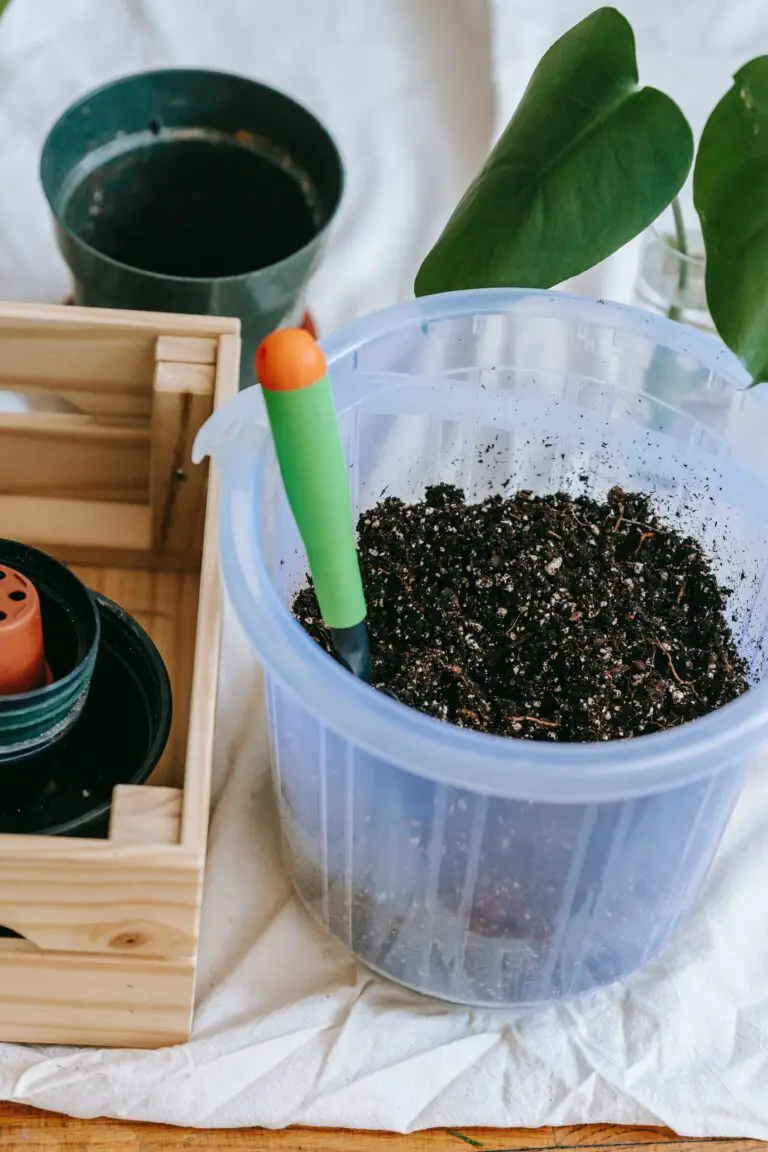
x,y
110,927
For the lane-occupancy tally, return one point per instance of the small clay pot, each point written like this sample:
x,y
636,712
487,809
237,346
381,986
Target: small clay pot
x,y
33,720
118,739
22,650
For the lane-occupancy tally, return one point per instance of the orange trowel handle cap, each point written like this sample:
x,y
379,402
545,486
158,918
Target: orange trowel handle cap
x,y
288,360
22,654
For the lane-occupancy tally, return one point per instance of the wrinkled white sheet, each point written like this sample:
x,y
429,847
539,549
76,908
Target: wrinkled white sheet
x,y
288,1029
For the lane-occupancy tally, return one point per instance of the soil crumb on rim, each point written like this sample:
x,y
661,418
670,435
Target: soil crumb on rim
x,y
543,617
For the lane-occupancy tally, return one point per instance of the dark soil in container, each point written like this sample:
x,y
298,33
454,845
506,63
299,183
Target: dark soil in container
x,y
547,618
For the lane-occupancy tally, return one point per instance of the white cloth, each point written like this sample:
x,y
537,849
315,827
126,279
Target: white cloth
x,y
288,1029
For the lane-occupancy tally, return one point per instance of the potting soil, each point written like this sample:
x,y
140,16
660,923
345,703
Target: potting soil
x,y
542,617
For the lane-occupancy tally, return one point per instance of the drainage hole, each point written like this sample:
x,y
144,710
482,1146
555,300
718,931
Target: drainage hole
x,y
17,595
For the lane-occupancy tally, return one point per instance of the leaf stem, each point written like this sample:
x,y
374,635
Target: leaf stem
x,y
681,243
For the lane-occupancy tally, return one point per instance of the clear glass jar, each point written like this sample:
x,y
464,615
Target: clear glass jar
x,y
671,282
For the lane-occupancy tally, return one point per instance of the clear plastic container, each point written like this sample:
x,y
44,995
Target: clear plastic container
x,y
478,869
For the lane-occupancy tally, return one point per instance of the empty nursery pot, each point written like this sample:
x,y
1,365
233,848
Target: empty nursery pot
x,y
119,738
189,190
41,696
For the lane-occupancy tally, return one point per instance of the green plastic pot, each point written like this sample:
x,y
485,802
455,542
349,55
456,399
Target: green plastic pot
x,y
187,190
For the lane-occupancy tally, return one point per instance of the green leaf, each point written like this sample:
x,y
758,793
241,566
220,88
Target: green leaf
x,y
587,162
729,191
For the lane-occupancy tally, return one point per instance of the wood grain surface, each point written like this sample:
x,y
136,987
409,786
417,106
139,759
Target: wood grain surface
x,y
24,1128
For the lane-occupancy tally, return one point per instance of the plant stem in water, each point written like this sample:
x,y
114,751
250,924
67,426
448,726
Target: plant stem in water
x,y
681,242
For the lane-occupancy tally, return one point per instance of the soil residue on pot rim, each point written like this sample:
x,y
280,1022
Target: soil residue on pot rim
x,y
542,617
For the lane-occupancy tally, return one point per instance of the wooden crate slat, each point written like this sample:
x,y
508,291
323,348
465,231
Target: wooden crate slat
x,y
182,402
184,377
73,457
61,851
49,521
98,397
185,645
142,814
111,1001
102,905
67,353
197,791
186,349
40,318
205,679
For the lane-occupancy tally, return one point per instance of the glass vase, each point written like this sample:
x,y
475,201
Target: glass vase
x,y
671,283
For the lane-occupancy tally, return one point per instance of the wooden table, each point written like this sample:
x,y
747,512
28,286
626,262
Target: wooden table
x,y
25,1129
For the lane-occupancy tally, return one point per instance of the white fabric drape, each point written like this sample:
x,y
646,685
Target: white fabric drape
x,y
288,1030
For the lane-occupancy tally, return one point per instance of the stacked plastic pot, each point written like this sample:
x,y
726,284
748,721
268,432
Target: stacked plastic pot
x,y
85,700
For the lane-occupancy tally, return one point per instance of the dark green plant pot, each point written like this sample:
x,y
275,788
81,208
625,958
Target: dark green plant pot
x,y
189,190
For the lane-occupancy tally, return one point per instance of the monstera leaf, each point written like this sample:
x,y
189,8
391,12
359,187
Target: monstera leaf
x,y
587,162
730,188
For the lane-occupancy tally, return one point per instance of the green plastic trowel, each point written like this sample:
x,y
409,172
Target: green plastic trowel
x,y
291,368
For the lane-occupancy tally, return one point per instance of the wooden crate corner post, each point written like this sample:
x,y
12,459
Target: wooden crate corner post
x,y
182,400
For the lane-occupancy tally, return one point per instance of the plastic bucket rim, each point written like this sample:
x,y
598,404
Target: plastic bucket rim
x,y
168,277
557,773
679,337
